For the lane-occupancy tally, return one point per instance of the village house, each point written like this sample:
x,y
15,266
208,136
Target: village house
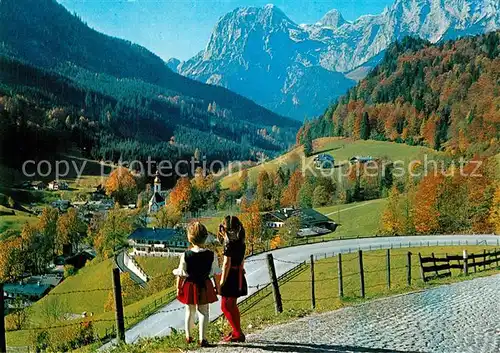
x,y
312,223
32,288
324,160
57,185
361,159
39,186
158,241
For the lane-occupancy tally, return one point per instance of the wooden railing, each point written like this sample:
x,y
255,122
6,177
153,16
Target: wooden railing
x,y
433,267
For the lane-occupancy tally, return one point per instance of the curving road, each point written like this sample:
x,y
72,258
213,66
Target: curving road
x,y
172,315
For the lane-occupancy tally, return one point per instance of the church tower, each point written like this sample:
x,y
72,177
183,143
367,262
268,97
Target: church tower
x,y
157,184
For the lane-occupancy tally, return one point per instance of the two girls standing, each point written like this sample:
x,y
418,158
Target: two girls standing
x,y
198,266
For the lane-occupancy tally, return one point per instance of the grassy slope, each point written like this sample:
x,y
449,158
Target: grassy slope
x,y
157,266
342,149
96,276
15,221
356,219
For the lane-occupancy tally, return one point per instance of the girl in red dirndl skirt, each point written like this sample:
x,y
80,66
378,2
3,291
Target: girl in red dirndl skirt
x,y
195,288
233,282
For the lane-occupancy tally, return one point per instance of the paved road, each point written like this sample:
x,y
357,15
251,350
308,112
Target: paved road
x,y
458,318
172,315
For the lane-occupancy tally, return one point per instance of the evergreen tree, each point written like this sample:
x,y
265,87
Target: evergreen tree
x,y
308,147
365,127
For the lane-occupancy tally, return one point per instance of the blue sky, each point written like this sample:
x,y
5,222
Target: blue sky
x,y
181,28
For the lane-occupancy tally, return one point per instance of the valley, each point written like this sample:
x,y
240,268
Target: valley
x,y
372,143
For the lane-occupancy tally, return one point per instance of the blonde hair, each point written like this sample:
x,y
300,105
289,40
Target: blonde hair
x,y
197,233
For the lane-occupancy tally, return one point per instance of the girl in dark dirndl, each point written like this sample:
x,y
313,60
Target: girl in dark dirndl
x,y
233,283
195,288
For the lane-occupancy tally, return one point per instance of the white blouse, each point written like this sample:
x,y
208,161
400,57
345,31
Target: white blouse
x,y
181,270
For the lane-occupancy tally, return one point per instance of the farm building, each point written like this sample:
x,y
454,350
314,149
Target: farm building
x,y
324,160
361,159
312,223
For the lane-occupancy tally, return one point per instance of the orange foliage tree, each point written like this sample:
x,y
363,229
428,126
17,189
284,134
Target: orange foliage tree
x,y
121,185
252,222
426,204
495,210
289,196
11,259
180,197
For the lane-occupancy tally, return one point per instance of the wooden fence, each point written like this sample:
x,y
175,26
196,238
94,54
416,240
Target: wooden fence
x,y
433,267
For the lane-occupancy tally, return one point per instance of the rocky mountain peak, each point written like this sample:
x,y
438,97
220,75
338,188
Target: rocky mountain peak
x,y
332,18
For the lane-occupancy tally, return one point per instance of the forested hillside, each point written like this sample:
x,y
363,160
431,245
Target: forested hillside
x,y
43,113
444,96
64,82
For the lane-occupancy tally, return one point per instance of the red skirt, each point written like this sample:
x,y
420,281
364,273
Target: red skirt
x,y
192,293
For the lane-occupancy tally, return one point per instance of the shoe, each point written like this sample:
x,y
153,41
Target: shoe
x,y
189,340
240,339
205,344
228,337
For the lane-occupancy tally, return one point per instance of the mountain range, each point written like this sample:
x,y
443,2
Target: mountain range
x,y
298,69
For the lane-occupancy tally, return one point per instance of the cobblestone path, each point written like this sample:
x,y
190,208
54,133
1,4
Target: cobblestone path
x,y
458,318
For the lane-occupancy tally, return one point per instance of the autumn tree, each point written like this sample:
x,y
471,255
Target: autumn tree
x,y
167,216
289,196
290,229
305,195
180,197
264,193
243,180
37,252
18,318
70,230
11,259
426,204
47,225
112,232
252,222
122,186
495,210
320,196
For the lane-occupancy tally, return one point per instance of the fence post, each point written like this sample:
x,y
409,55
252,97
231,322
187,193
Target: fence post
x,y
408,268
361,273
274,282
466,265
435,264
388,263
496,255
341,283
120,322
313,294
3,344
422,270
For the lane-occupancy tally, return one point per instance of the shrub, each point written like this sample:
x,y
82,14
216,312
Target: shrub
x,y
69,270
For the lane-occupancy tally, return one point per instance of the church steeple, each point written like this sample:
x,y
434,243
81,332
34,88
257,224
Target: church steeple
x,y
157,183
